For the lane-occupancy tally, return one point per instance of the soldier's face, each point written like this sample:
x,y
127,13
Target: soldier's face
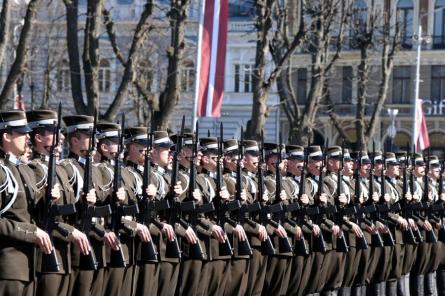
x,y
15,143
334,164
230,162
313,167
348,168
209,161
364,170
378,167
419,170
250,162
393,170
81,142
136,153
161,155
295,166
435,173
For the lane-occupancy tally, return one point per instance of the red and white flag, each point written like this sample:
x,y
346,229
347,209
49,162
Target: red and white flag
x,y
211,58
421,138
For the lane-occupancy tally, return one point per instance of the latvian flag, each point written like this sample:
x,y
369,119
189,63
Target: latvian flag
x,y
211,57
421,138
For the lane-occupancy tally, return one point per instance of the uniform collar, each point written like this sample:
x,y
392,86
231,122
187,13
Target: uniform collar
x,y
13,159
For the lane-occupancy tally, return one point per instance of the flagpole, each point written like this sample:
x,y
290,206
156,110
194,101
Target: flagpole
x,y
198,62
416,88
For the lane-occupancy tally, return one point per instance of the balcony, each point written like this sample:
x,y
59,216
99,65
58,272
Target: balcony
x,y
241,26
439,42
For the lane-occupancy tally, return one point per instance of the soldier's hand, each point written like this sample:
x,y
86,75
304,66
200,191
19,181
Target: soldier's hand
x,y
224,194
120,194
412,223
408,196
190,235
56,192
342,199
283,195
168,230
151,190
387,197
427,226
430,196
80,239
243,194
240,233
298,232
361,199
91,196
438,225
178,188
218,233
381,227
324,198
442,197
111,240
143,232
262,233
197,196
370,228
356,229
336,231
41,238
304,199
375,197
403,223
280,231
316,230
265,196
416,197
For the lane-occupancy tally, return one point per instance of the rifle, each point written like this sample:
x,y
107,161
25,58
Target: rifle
x,y
276,208
188,206
430,236
267,248
50,262
148,249
244,248
439,201
89,262
117,257
172,249
409,236
223,209
383,208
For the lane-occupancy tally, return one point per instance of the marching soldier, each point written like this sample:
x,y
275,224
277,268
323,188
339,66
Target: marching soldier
x,y
189,278
44,125
17,226
215,271
292,182
239,266
78,130
256,232
118,278
279,266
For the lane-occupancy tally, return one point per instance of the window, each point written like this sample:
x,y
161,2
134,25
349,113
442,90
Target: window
x,y
63,79
405,18
243,78
188,77
239,8
125,2
401,85
439,25
358,22
302,85
438,82
346,90
104,76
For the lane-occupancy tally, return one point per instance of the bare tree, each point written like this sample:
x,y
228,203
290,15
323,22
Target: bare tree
x,y
18,65
266,12
371,34
169,96
4,28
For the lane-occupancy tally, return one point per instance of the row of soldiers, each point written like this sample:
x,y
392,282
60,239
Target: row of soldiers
x,y
134,212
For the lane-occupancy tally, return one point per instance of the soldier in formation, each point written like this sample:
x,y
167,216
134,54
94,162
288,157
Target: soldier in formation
x,y
133,211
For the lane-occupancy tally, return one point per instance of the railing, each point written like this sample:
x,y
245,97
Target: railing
x,y
439,42
241,26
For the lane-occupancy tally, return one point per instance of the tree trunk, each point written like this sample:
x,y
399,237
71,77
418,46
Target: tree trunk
x,y
91,55
72,43
360,122
21,52
169,97
138,39
4,28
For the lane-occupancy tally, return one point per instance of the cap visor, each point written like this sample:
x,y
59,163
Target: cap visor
x,y
22,129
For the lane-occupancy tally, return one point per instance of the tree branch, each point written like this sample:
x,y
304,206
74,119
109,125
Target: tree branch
x,y
4,28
